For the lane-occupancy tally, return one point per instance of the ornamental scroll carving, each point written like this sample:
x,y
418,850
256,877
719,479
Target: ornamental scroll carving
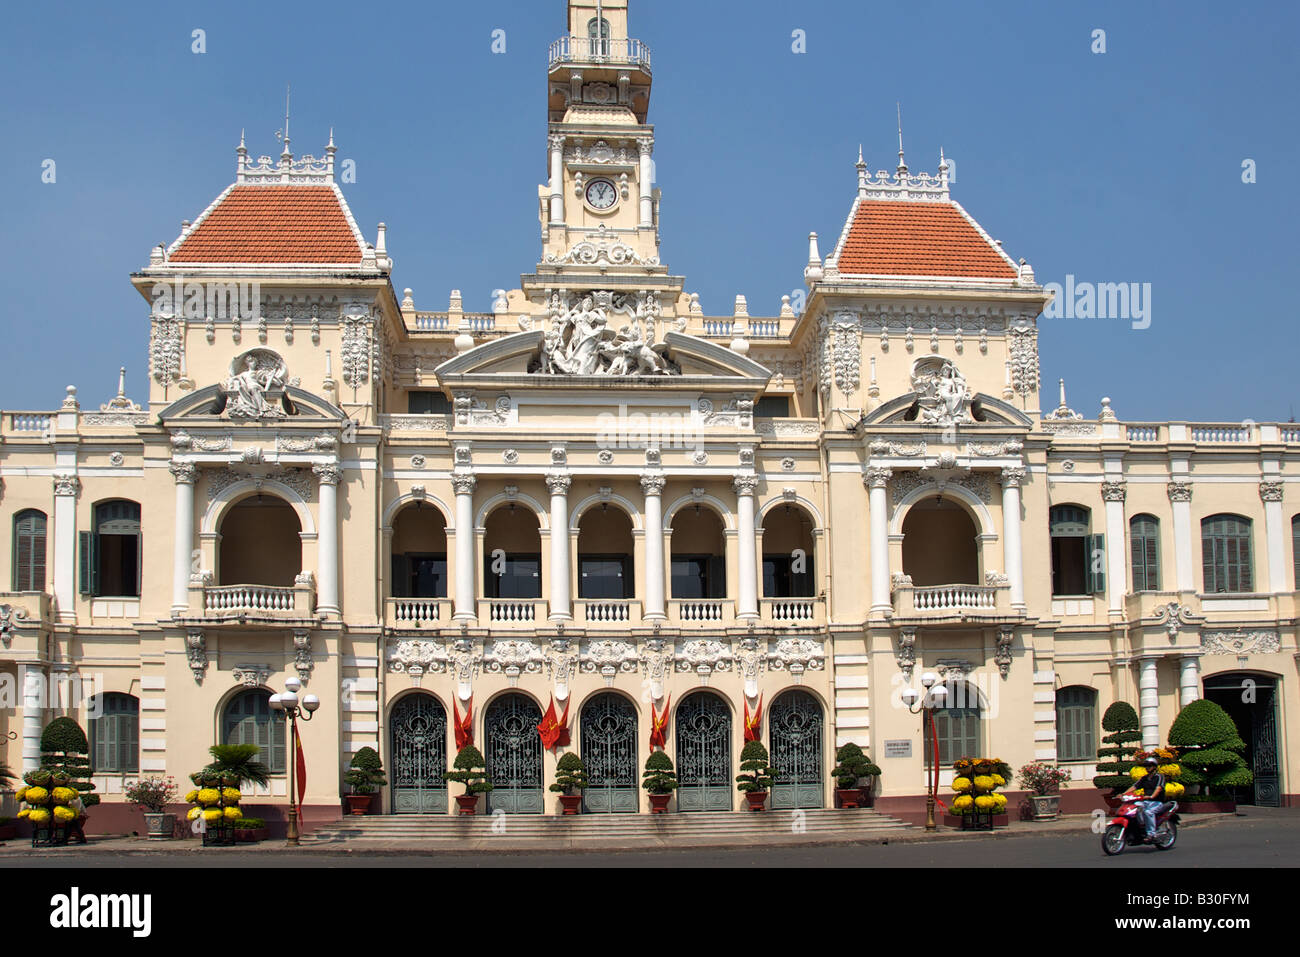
x,y
513,657
562,663
609,657
704,656
416,657
358,343
796,655
657,661
1022,340
1240,642
165,346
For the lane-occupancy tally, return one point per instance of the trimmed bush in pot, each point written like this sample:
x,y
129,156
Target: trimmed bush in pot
x,y
852,767
660,780
469,769
365,775
756,775
570,776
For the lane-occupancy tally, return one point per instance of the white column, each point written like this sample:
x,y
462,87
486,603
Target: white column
x,y
1180,498
1149,702
653,486
66,489
185,474
561,606
327,539
466,607
1012,555
877,481
1113,494
1189,680
747,555
32,678
1270,492
647,200
557,178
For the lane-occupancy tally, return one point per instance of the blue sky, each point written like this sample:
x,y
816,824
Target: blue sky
x,y
1123,166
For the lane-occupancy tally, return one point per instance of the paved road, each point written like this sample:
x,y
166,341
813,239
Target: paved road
x,y
1261,839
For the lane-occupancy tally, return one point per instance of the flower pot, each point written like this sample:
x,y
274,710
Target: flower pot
x,y
1045,806
468,804
756,799
159,826
659,803
868,798
848,797
572,803
251,835
359,804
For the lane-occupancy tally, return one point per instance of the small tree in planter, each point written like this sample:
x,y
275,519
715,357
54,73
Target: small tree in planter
x,y
851,767
756,775
239,763
365,775
1210,750
469,769
250,830
570,776
153,795
65,757
1116,757
660,781
1043,782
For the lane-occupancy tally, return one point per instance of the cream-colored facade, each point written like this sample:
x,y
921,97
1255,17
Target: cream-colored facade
x,y
598,495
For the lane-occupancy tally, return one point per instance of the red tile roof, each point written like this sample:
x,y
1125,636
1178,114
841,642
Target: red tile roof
x,y
901,238
273,224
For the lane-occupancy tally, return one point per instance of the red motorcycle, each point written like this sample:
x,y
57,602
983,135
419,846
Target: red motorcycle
x,y
1126,827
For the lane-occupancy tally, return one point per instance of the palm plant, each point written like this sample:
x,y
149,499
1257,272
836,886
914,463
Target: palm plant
x,y
240,761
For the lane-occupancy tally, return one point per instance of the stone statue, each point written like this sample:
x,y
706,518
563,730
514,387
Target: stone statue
x,y
247,391
581,341
942,393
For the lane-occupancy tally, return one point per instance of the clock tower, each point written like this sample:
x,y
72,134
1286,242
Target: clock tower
x,y
599,209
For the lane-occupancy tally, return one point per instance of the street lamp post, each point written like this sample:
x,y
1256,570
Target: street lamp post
x,y
287,703
926,703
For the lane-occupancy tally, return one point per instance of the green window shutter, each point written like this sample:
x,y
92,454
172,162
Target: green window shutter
x,y
86,542
1096,564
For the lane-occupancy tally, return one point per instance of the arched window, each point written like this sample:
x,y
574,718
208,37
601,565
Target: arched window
x,y
248,719
29,551
115,734
1144,550
1076,723
957,724
1225,554
598,34
1078,557
110,553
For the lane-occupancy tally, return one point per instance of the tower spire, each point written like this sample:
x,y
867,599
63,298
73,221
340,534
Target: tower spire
x,y
902,164
286,154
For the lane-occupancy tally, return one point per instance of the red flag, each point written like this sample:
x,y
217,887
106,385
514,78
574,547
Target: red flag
x,y
562,735
754,722
301,761
465,728
549,729
659,725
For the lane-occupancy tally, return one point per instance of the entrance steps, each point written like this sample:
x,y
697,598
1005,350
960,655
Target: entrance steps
x,y
601,831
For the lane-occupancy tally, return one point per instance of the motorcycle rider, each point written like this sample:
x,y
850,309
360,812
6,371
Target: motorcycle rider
x,y
1152,785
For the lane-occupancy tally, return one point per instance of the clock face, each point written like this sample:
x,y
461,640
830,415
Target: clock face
x,y
601,194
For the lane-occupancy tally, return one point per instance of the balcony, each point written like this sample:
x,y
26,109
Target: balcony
x,y
247,604
416,614
507,612
714,611
602,612
793,611
600,52
956,602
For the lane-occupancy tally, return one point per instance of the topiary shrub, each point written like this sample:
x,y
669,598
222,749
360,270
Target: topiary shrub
x,y
852,765
238,761
1211,749
659,776
469,769
1116,756
570,774
65,751
366,772
755,773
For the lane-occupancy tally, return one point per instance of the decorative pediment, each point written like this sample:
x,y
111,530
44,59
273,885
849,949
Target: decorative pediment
x,y
908,408
212,403
522,359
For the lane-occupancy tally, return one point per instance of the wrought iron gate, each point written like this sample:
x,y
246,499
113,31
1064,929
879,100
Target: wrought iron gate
x,y
419,755
514,755
1263,740
796,735
609,752
703,754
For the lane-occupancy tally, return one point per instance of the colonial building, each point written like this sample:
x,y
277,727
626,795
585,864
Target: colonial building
x,y
599,496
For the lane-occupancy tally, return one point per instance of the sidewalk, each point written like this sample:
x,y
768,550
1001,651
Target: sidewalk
x,y
140,846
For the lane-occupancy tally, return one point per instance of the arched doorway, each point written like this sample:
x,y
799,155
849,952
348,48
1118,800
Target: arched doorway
x,y
605,555
698,554
1250,698
419,553
418,755
939,544
609,752
261,543
788,553
796,733
512,554
703,753
514,755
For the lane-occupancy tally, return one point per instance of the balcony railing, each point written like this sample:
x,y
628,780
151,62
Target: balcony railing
x,y
597,50
258,601
701,609
793,610
416,612
952,601
511,611
607,611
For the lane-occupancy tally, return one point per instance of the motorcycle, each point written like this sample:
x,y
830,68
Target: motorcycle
x,y
1126,827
